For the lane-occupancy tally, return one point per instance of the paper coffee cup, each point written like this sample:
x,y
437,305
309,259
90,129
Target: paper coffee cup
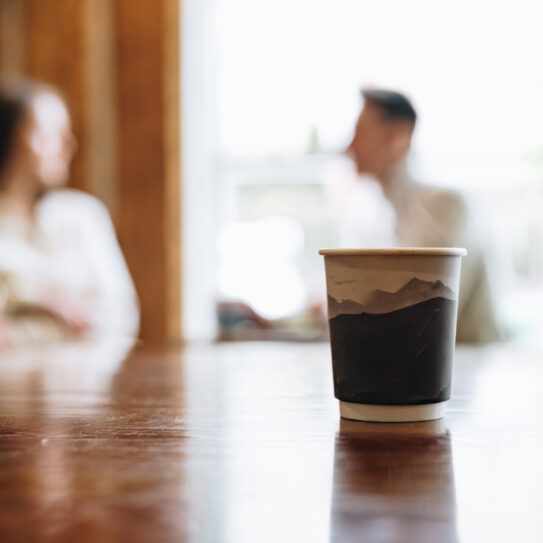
x,y
392,317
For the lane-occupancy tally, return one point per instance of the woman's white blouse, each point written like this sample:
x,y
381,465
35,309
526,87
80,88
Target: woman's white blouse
x,y
70,248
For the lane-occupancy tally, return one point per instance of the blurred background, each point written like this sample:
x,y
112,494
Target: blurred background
x,y
214,131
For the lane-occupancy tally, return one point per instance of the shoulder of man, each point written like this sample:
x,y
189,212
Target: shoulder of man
x,y
447,205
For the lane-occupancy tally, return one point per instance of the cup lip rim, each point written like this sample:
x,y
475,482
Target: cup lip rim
x,y
396,251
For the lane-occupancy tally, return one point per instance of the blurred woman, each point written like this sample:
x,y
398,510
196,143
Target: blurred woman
x,y
62,274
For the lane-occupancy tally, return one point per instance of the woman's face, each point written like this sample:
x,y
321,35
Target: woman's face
x,y
49,141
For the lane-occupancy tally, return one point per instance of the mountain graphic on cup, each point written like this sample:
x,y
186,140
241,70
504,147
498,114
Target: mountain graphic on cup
x,y
403,342
381,301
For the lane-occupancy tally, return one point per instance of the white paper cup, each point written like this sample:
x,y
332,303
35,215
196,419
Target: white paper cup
x,y
392,316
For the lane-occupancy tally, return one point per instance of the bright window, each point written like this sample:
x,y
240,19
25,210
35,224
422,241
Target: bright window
x,y
287,75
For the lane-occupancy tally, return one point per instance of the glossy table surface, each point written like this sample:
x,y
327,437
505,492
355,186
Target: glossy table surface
x,y
243,442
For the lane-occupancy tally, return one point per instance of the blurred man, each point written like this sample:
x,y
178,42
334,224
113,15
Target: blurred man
x,y
424,216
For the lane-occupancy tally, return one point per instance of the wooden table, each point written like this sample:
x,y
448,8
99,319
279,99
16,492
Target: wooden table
x,y
243,443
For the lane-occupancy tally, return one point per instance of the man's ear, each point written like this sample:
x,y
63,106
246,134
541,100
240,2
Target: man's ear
x,y
400,139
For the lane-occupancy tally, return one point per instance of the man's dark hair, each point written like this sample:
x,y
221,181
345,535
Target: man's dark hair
x,y
394,105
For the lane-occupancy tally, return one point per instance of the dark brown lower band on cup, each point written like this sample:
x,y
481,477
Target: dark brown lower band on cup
x,y
399,358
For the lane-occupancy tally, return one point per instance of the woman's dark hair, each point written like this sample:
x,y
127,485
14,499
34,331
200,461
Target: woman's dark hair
x,y
11,113
16,96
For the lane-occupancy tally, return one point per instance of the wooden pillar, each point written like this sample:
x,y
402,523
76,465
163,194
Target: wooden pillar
x,y
101,106
147,37
11,36
172,177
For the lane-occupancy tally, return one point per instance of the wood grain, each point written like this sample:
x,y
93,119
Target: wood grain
x,y
244,443
11,36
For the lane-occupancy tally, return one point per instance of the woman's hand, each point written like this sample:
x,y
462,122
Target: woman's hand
x,y
7,333
74,313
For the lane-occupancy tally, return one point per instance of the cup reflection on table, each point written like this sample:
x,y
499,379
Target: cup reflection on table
x,y
393,483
